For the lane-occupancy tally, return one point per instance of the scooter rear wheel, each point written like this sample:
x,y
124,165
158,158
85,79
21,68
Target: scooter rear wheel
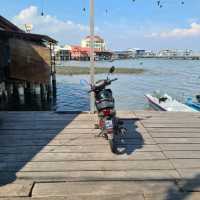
x,y
113,146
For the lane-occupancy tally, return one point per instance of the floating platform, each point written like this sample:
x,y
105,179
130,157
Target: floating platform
x,y
47,155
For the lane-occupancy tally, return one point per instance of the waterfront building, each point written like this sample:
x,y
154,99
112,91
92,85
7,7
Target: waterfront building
x,y
103,55
83,53
175,53
139,53
99,43
80,53
63,53
187,53
149,54
122,55
167,53
26,59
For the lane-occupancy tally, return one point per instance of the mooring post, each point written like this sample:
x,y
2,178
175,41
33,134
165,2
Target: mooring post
x,y
21,93
15,90
28,91
9,89
1,91
37,89
32,88
54,84
43,92
49,91
53,69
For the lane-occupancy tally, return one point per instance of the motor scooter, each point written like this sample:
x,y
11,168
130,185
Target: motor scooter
x,y
108,123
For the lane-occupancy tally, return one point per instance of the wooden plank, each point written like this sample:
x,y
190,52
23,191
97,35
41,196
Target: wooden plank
x,y
46,126
102,148
15,190
183,154
177,140
29,132
92,141
171,122
50,136
161,113
52,125
49,132
174,130
82,197
170,119
80,156
173,195
62,136
186,163
176,125
98,175
175,135
58,166
49,115
189,174
100,188
180,147
59,117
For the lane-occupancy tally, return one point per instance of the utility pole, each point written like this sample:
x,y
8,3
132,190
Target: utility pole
x,y
92,61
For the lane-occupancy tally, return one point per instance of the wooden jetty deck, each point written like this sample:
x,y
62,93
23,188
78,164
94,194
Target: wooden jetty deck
x,y
54,156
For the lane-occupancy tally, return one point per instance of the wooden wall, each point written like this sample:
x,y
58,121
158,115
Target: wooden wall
x,y
29,62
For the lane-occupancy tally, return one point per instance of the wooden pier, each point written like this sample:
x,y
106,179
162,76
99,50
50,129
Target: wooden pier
x,y
56,156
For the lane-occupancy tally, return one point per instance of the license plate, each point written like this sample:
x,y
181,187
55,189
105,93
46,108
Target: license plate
x,y
109,124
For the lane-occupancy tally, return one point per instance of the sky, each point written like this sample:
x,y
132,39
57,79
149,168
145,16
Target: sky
x,y
122,23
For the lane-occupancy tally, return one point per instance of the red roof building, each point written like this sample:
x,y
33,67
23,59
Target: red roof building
x,y
81,53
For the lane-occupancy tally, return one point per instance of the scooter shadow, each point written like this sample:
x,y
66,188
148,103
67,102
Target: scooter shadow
x,y
132,140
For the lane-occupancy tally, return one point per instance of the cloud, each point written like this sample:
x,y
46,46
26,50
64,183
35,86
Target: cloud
x,y
192,31
117,35
64,31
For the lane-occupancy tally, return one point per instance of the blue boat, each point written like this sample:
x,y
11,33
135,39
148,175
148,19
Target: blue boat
x,y
193,104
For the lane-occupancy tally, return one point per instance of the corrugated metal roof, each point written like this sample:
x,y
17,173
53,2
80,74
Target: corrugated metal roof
x,y
28,36
10,30
8,26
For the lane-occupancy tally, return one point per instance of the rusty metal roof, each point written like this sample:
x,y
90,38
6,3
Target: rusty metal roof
x,y
28,36
8,26
8,29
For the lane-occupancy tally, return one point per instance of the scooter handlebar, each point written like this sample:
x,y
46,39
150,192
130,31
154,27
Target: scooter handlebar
x,y
107,82
115,79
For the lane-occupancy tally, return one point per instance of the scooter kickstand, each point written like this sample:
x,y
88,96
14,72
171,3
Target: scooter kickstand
x,y
100,134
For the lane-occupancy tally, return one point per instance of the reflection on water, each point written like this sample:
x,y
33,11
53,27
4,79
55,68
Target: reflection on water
x,y
179,78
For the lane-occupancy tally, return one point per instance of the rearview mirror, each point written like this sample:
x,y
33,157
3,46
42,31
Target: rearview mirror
x,y
112,69
84,82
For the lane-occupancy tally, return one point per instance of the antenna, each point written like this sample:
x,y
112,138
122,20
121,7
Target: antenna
x,y
42,12
84,7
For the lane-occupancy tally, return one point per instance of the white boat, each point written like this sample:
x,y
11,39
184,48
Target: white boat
x,y
167,103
